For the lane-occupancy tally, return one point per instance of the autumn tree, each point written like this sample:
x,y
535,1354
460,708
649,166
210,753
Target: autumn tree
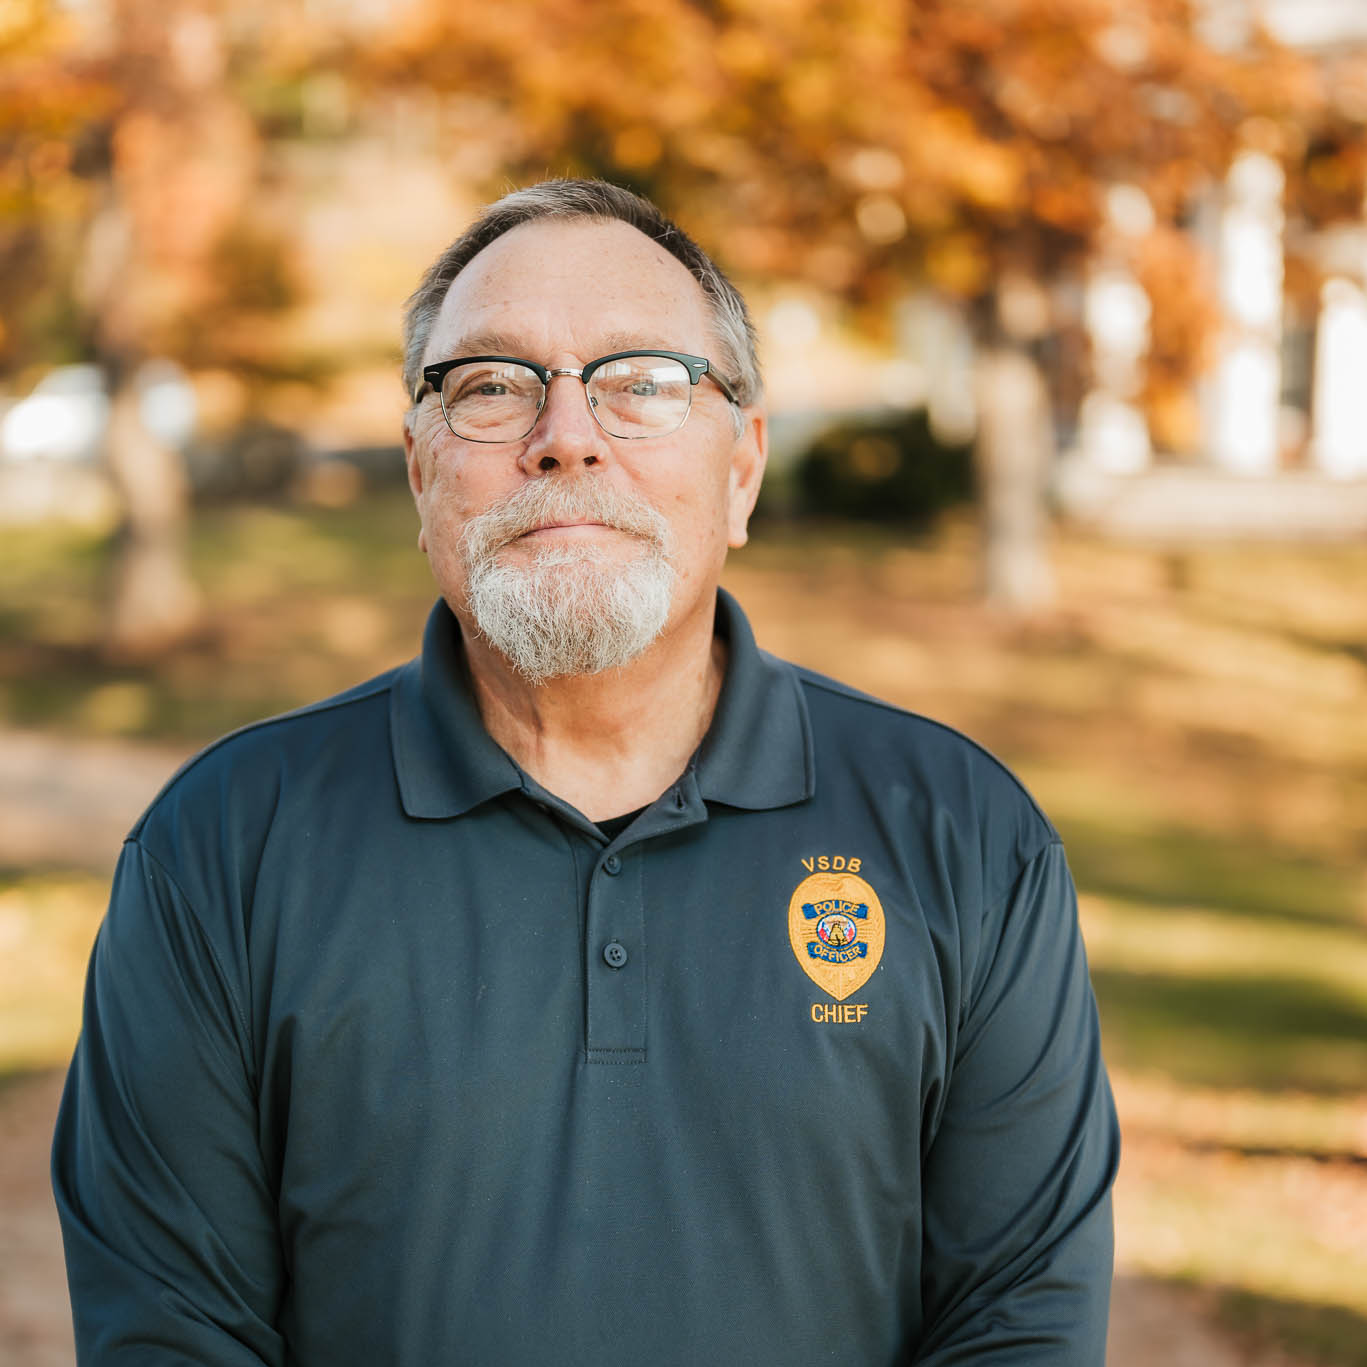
x,y
871,146
129,161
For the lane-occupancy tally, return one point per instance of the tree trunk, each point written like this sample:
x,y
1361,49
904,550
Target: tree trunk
x,y
1015,450
154,602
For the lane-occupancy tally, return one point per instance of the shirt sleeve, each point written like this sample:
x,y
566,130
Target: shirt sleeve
x,y
167,1212
1016,1199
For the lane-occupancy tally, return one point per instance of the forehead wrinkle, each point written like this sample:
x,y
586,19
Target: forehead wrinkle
x,y
566,292
508,344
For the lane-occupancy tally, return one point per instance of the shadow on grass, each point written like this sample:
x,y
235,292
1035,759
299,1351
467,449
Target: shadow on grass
x,y
1265,1327
1353,647
70,688
1269,1034
14,1080
1352,1161
1328,1334
1175,867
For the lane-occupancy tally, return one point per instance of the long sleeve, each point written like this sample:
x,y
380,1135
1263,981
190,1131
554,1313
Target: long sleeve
x,y
166,1207
1017,1215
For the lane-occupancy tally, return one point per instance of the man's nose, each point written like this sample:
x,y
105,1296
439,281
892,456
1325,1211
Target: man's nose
x,y
566,434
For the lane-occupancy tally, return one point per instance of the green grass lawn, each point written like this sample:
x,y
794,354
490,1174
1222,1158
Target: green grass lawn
x,y
1195,723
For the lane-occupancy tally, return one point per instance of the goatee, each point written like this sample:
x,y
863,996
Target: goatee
x,y
571,609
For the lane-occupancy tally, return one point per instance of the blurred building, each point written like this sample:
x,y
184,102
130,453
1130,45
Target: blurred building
x,y
1283,412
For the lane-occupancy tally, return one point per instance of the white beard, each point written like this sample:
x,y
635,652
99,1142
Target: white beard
x,y
573,609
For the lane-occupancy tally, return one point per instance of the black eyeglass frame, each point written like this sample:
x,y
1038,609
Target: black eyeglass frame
x,y
696,366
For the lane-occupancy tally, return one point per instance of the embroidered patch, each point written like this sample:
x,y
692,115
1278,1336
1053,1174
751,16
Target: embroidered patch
x,y
836,928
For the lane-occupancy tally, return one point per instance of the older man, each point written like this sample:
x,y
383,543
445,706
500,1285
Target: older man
x,y
595,989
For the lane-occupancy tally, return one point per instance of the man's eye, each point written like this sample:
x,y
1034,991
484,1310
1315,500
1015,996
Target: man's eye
x,y
487,384
627,384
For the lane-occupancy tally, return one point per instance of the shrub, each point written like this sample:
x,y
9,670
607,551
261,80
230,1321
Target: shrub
x,y
888,468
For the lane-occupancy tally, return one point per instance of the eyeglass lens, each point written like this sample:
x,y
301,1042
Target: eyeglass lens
x,y
632,396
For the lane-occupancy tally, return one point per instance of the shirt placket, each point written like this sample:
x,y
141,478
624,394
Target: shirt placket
x,y
615,946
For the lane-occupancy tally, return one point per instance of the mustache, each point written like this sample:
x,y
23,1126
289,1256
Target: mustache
x,y
547,501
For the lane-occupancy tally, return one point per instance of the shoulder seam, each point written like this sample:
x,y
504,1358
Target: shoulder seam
x,y
837,689
242,1019
992,904
382,683
1005,889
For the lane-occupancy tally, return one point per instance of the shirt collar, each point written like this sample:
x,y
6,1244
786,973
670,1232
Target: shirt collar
x,y
445,760
757,753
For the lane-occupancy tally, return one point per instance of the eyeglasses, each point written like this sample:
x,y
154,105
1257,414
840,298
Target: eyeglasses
x,y
631,394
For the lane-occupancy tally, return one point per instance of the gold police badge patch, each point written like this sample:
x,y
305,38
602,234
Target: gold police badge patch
x,y
836,928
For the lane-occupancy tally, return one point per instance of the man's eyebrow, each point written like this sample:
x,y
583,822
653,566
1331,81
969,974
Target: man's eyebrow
x,y
631,341
504,344
487,343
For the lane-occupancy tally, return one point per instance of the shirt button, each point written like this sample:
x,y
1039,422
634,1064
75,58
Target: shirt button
x,y
612,865
614,954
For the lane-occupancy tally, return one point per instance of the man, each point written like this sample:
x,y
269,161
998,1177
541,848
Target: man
x,y
595,989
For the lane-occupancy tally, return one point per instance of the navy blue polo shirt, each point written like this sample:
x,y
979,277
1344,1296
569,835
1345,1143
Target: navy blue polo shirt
x,y
391,1056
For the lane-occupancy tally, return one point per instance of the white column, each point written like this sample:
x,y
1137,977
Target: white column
x,y
934,332
1112,432
1339,447
1246,388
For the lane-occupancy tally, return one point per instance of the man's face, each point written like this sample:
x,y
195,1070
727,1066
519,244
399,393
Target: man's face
x,y
563,293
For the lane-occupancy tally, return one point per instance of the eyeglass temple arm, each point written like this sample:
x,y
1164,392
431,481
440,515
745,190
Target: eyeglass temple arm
x,y
721,384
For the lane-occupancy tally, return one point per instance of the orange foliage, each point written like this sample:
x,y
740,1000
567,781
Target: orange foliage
x,y
864,145
127,152
982,130
1177,276
858,144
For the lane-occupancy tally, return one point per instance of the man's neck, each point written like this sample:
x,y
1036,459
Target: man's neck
x,y
612,742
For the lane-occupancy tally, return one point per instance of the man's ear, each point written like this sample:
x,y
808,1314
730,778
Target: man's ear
x,y
410,455
748,458
414,467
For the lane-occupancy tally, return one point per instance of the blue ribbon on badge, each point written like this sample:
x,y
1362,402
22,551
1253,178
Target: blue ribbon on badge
x,y
859,909
846,954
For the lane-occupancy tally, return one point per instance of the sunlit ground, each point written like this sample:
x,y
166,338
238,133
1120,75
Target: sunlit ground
x,y
1195,723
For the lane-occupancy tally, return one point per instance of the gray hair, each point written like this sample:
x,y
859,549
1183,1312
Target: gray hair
x,y
571,199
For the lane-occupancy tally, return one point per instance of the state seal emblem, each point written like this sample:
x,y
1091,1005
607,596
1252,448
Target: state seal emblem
x,y
836,928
